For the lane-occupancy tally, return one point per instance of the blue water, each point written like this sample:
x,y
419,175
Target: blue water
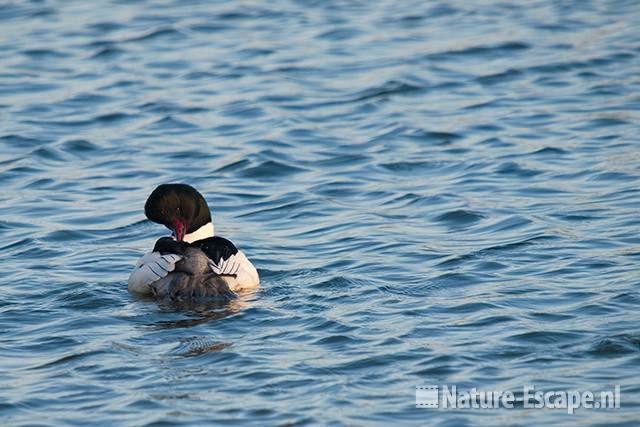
x,y
433,193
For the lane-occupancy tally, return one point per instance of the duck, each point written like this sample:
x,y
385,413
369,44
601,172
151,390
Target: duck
x,y
193,263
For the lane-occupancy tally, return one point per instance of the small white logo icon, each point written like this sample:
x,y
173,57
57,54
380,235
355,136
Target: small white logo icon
x,y
427,396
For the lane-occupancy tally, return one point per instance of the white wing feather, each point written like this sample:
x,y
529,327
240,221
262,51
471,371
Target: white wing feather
x,y
239,266
151,267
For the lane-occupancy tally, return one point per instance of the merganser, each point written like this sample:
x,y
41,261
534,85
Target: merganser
x,y
193,263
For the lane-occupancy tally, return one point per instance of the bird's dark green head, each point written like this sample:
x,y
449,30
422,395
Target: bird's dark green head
x,y
179,207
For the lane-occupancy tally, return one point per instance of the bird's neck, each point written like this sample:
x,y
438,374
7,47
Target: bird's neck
x,y
201,233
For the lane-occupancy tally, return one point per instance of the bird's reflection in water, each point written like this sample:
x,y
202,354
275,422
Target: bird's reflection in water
x,y
202,312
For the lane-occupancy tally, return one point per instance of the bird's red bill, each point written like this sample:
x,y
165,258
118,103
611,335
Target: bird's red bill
x,y
178,229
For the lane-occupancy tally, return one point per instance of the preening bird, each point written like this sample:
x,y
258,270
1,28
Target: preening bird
x,y
192,264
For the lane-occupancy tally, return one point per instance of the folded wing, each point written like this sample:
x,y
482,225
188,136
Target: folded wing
x,y
226,260
151,267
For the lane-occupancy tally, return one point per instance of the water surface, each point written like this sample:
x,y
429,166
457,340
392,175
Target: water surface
x,y
433,192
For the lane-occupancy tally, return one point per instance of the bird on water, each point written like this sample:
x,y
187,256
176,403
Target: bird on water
x,y
192,264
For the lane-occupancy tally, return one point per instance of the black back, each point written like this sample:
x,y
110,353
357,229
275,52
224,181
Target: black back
x,y
216,247
166,245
